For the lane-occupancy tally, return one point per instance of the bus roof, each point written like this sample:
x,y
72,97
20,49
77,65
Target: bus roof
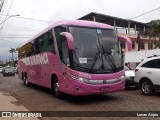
x,y
82,23
75,23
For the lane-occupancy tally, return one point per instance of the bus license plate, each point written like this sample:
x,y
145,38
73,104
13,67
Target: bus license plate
x,y
104,88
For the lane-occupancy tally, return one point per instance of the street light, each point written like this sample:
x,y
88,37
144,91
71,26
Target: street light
x,y
8,18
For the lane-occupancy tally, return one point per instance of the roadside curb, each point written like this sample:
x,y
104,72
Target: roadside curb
x,y
10,103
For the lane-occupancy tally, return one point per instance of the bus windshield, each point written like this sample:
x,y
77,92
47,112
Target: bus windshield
x,y
96,50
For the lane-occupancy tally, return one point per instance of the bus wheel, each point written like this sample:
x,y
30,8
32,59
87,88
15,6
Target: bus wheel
x,y
25,81
56,91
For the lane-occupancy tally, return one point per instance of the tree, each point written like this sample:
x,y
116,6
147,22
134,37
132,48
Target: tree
x,y
17,49
12,50
154,31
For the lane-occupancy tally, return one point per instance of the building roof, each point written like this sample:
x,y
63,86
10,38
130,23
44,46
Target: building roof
x,y
120,22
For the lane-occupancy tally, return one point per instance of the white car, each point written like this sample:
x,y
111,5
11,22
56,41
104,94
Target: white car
x,y
129,77
8,71
1,69
147,75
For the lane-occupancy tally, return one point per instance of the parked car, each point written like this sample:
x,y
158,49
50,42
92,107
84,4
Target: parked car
x,y
8,71
147,75
16,69
1,68
129,77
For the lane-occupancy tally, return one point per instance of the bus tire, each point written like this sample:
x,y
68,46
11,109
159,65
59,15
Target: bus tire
x,y
56,91
25,81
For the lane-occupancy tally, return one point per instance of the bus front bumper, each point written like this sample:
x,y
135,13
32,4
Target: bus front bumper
x,y
77,88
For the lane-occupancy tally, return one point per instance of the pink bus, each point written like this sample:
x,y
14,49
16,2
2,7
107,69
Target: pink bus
x,y
74,57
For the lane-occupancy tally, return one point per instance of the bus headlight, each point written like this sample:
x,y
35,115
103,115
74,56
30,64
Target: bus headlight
x,y
122,77
80,79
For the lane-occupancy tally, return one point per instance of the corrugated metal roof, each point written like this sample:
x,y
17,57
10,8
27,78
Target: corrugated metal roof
x,y
120,22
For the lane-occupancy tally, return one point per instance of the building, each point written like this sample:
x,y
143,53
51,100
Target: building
x,y
124,27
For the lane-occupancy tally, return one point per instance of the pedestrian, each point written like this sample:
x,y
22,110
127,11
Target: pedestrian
x,y
129,65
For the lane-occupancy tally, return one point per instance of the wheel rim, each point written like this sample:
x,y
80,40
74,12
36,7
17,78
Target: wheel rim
x,y
145,87
25,80
56,89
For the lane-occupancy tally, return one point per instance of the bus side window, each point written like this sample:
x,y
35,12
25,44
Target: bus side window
x,y
40,43
65,52
33,49
26,50
59,38
48,44
36,46
43,47
29,49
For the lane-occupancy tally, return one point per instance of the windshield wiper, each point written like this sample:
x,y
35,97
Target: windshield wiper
x,y
98,54
110,59
107,56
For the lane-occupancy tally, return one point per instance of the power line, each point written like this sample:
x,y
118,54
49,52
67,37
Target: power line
x,y
6,20
20,27
29,18
7,14
4,35
31,30
34,19
145,13
17,37
10,41
140,15
4,6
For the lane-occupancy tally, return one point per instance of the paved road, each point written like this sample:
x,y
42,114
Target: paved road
x,y
36,98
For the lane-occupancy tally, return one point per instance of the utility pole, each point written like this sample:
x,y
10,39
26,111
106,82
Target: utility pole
x,y
1,4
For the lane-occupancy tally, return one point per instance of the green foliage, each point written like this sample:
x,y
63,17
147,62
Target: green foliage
x,y
157,44
12,50
155,31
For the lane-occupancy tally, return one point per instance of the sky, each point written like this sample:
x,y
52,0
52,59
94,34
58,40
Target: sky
x,y
35,15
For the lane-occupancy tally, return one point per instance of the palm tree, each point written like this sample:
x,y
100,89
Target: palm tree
x,y
12,50
17,49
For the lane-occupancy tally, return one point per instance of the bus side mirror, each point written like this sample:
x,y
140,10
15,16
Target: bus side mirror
x,y
70,40
126,39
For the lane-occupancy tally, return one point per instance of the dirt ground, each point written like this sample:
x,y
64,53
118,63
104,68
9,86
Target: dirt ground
x,y
37,98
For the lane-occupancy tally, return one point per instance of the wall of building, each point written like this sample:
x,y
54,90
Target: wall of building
x,y
134,39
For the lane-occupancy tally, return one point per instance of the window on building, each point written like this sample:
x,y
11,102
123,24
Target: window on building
x,y
141,45
123,44
150,45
